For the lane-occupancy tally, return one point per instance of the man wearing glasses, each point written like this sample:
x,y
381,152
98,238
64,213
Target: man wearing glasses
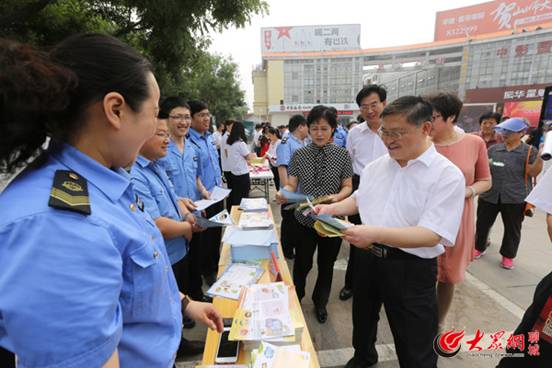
x,y
410,203
364,146
210,176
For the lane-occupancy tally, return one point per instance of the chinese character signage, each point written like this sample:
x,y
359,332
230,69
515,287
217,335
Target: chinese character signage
x,y
493,16
310,38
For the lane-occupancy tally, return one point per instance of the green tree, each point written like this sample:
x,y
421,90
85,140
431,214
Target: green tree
x,y
215,80
173,34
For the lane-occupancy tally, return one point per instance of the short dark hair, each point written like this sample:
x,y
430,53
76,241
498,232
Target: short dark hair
x,y
490,115
237,133
447,104
171,103
368,90
296,121
415,109
322,112
196,106
258,126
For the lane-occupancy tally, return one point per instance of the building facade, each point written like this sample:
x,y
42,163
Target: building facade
x,y
507,69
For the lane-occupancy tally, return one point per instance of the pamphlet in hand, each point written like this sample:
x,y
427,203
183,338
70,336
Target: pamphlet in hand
x,y
294,197
219,220
217,195
236,276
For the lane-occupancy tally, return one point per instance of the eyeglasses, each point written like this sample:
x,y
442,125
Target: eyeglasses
x,y
180,117
204,115
393,134
371,106
162,135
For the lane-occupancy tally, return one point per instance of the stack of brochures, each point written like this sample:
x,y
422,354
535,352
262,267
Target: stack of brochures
x,y
235,277
255,220
271,356
264,314
330,226
254,204
250,245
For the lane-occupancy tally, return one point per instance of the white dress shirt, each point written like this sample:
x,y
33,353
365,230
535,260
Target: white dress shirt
x,y
224,152
428,192
541,195
237,162
364,146
217,138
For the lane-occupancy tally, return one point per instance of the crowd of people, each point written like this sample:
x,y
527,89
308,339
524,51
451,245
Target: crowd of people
x,y
103,262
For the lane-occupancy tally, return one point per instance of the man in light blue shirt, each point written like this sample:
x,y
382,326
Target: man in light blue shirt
x,y
298,132
182,166
340,136
210,176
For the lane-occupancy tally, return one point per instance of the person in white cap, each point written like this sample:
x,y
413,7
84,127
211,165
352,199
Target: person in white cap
x,y
513,164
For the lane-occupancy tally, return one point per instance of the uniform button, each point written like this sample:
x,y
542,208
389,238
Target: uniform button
x,y
155,254
132,207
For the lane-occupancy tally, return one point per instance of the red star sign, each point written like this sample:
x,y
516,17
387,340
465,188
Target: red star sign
x,y
283,32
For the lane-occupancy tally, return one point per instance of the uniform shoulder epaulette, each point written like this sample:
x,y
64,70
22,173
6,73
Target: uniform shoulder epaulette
x,y
70,192
284,140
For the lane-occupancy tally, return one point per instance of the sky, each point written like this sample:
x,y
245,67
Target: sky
x,y
383,23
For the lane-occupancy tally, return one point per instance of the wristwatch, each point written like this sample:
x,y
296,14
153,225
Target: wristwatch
x,y
185,301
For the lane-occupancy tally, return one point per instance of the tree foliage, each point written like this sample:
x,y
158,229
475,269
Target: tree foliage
x,y
173,34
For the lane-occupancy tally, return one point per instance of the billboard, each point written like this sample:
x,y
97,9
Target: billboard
x,y
310,38
524,109
493,16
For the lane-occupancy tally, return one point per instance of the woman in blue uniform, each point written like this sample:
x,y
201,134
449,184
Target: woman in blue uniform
x,y
86,280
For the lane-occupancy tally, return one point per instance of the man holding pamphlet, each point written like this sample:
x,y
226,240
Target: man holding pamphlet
x,y
410,203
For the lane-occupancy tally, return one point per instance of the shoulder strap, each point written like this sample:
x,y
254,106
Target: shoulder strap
x,y
70,192
527,168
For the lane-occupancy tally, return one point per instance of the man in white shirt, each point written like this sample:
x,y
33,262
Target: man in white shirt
x,y
364,146
410,202
256,143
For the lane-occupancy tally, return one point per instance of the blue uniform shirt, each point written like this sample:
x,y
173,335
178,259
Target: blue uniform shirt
x,y
340,136
154,188
76,287
183,170
208,158
287,147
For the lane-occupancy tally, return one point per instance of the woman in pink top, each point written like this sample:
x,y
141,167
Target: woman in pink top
x,y
469,153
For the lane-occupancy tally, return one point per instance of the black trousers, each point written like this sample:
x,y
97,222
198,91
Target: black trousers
x,y
228,177
241,185
512,217
288,231
7,358
210,243
355,219
542,293
187,271
328,248
406,288
274,170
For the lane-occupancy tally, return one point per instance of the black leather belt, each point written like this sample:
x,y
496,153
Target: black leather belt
x,y
384,251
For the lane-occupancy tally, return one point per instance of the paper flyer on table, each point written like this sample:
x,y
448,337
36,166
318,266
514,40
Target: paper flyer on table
x,y
236,276
236,236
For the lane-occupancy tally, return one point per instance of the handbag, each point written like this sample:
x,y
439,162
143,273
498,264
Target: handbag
x,y
528,210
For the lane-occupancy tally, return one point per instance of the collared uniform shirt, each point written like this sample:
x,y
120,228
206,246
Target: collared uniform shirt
x,y
287,147
319,171
76,287
428,192
340,136
541,195
183,170
157,193
237,163
508,174
364,146
208,158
